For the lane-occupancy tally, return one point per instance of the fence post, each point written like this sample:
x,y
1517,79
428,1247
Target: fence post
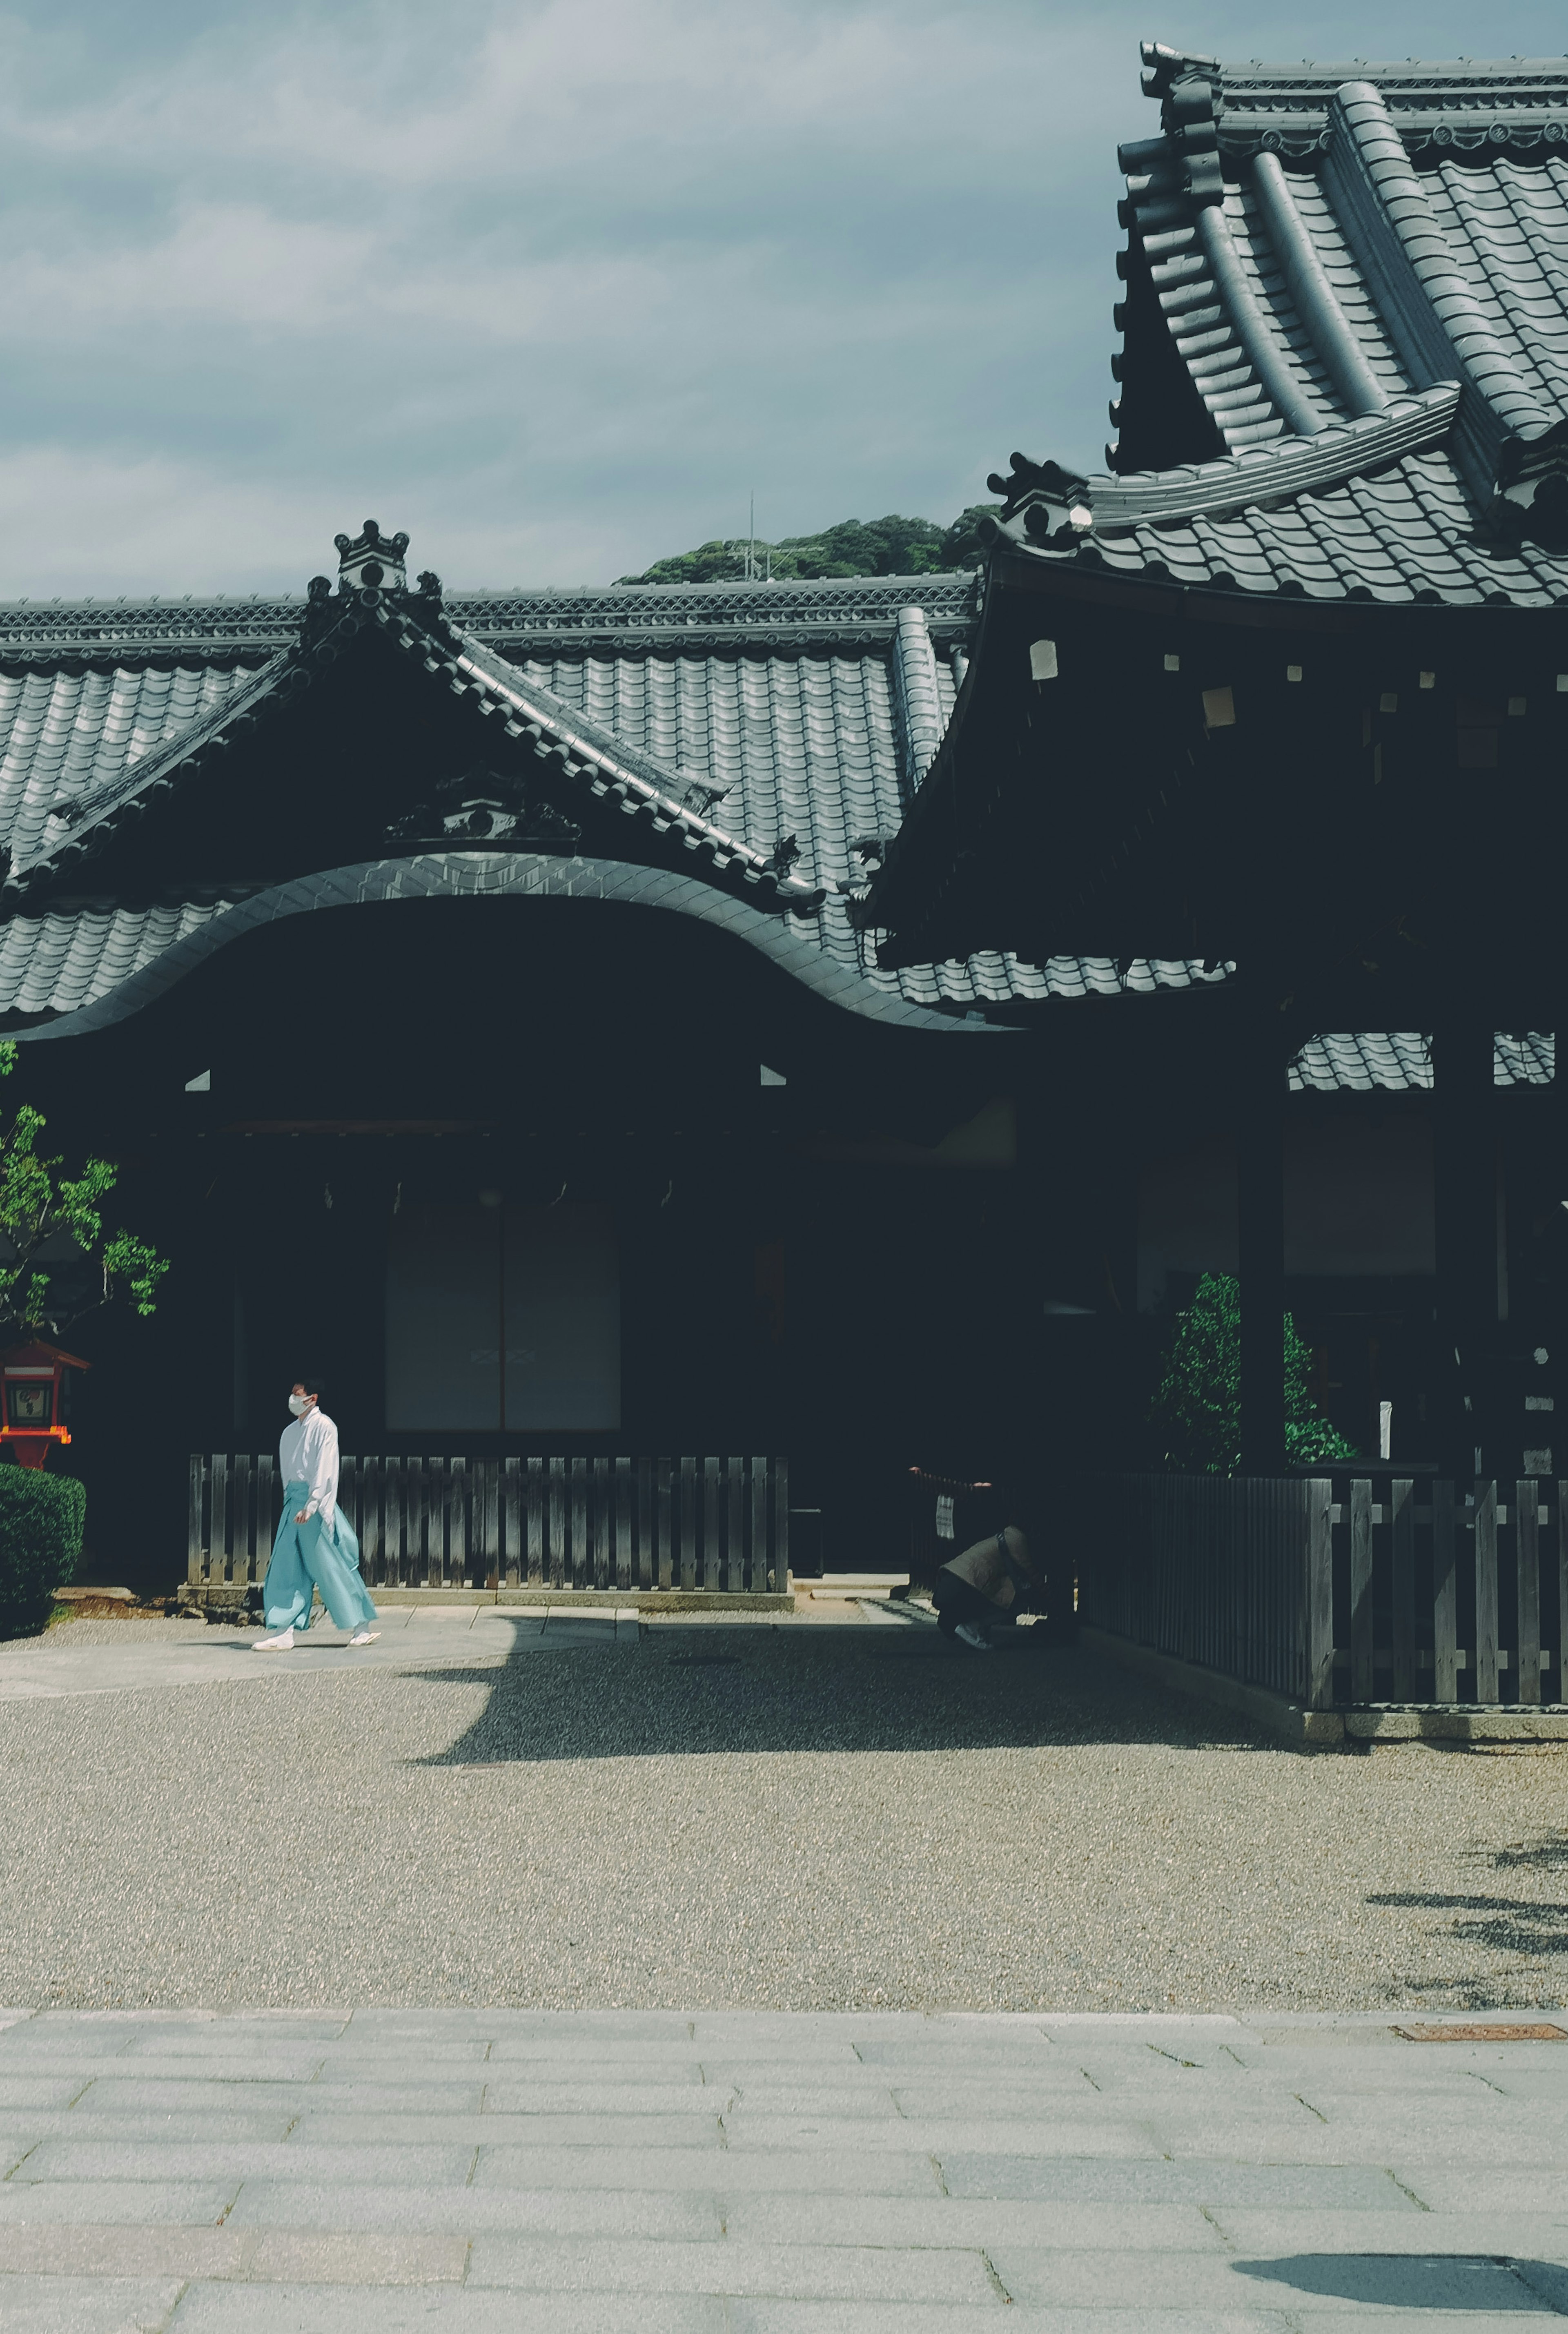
x,y
196,1543
1362,1649
1320,1594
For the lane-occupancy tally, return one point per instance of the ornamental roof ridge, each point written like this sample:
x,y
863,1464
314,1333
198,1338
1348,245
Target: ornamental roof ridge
x,y
590,755
1048,507
644,614
1408,84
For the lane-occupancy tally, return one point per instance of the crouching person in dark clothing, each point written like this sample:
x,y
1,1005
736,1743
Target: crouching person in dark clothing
x,y
986,1587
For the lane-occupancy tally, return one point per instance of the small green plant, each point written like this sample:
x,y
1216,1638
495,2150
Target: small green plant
x,y
41,1521
48,1218
1197,1409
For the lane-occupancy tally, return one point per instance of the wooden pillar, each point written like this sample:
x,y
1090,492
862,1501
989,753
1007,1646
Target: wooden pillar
x,y
1464,1193
1260,1248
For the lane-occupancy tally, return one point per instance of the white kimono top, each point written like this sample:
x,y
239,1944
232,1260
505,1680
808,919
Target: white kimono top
x,y
308,1453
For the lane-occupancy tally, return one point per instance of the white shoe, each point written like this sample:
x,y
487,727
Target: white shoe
x,y
972,1636
283,1642
364,1636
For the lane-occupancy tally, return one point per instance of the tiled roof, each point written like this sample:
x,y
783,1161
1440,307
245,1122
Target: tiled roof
x,y
838,610
749,714
1396,1061
589,757
1361,272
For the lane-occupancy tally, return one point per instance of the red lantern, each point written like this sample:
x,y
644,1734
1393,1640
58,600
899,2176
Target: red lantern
x,y
33,1399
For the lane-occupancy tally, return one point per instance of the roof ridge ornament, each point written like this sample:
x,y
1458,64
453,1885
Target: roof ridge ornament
x,y
372,560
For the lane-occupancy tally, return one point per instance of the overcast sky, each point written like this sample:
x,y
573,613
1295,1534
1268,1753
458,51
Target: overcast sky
x,y
557,285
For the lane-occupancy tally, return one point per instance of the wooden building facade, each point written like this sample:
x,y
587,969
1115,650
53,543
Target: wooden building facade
x,y
1283,692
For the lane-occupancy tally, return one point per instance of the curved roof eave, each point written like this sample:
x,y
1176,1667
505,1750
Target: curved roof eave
x,y
524,874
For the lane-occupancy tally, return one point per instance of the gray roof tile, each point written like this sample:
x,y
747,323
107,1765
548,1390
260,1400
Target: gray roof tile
x,y
1399,1061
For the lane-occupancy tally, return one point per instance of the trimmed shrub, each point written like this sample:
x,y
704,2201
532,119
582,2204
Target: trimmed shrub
x,y
40,1520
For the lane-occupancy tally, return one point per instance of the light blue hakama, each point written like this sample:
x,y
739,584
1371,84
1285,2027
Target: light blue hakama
x,y
306,1556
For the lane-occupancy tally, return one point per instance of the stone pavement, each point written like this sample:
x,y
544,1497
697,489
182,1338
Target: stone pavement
x,y
757,2173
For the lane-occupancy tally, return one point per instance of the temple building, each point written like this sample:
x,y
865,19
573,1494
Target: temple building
x,y
1284,691
841,1020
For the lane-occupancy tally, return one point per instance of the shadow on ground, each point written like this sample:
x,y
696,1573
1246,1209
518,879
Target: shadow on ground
x,y
1471,2281
681,1692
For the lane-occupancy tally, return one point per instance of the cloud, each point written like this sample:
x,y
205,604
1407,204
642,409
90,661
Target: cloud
x,y
553,283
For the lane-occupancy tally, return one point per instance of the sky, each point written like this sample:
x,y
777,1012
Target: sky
x,y
559,285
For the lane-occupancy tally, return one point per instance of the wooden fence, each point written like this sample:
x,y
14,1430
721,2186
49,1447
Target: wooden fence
x,y
1339,1590
634,1524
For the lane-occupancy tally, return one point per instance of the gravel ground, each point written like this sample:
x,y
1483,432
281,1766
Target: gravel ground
x,y
838,1817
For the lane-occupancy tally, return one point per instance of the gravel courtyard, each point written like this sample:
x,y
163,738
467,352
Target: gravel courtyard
x,y
835,1816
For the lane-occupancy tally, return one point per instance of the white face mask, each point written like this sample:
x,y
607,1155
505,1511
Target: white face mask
x,y
298,1404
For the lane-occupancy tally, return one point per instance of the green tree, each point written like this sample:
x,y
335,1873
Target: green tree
x,y
55,1261
851,546
1197,1409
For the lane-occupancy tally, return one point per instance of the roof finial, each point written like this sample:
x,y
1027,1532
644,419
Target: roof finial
x,y
372,560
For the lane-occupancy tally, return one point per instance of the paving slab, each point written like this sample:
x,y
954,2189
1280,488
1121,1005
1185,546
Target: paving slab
x,y
136,2203
338,2309
1091,2180
834,2273
31,2304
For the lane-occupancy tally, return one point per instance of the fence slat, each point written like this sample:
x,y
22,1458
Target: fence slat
x,y
491,1572
536,1553
580,1574
510,1543
370,1517
1360,1589
688,1523
243,1522
1527,1562
623,1523
1402,1542
645,1573
1445,1594
557,1575
757,1576
457,1525
600,1530
779,1567
217,1562
665,1495
1484,1664
735,1526
711,1527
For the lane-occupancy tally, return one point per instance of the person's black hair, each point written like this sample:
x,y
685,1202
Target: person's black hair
x,y
318,1386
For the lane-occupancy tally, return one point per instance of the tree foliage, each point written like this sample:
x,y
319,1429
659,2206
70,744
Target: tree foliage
x,y
853,546
56,1262
1197,1408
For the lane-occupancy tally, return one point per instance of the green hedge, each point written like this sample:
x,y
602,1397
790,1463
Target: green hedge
x,y
40,1520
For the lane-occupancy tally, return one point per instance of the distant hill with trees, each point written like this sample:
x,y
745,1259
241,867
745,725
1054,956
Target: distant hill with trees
x,y
855,546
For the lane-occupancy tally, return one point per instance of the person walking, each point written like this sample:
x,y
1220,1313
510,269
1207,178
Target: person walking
x,y
315,1547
